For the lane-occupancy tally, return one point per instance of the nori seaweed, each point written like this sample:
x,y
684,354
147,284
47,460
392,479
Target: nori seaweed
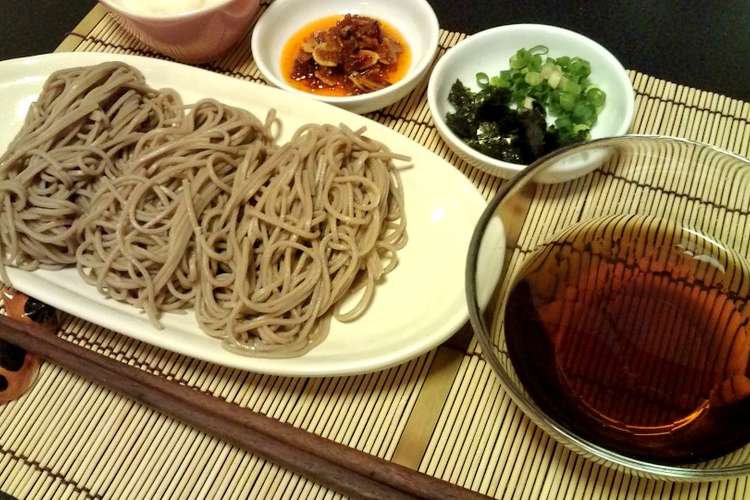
x,y
485,121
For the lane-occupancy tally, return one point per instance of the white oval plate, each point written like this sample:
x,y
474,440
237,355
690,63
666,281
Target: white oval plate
x,y
418,306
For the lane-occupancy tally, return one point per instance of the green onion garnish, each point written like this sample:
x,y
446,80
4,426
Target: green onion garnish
x,y
560,84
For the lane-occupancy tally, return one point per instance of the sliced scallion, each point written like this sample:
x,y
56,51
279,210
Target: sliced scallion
x,y
533,78
483,80
568,93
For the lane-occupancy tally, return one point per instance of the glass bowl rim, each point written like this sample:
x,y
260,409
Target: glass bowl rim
x,y
558,432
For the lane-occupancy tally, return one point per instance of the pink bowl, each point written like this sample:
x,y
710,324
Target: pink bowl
x,y
193,37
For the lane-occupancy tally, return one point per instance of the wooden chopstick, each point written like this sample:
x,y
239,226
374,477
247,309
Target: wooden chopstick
x,y
331,464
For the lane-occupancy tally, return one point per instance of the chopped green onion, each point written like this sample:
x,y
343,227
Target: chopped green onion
x,y
542,50
570,86
563,122
533,78
563,61
583,111
499,81
535,62
596,97
548,68
579,67
561,85
518,61
554,79
567,101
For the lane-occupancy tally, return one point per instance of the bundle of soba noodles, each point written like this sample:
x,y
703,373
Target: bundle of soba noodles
x,y
137,243
205,211
83,128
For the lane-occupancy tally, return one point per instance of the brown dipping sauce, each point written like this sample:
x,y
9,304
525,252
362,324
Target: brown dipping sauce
x,y
345,56
633,333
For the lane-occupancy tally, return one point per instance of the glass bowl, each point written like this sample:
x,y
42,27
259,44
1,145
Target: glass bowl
x,y
614,365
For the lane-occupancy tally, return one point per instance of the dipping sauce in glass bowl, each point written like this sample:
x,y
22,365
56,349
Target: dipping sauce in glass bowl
x,y
620,324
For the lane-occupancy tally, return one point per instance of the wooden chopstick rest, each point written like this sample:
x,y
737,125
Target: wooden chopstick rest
x,y
19,368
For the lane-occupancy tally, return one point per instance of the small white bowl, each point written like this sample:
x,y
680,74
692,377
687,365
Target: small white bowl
x,y
195,36
489,52
414,19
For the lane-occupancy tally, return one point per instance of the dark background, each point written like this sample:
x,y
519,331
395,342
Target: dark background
x,y
701,44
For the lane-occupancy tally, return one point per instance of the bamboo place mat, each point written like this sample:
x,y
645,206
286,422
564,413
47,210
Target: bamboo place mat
x,y
444,413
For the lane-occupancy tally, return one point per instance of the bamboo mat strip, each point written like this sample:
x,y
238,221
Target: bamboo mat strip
x,y
82,29
68,439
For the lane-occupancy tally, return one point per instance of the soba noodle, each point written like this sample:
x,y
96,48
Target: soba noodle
x,y
82,129
136,239
265,243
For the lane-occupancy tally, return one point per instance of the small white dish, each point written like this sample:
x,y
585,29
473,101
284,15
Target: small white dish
x,y
193,35
489,52
414,19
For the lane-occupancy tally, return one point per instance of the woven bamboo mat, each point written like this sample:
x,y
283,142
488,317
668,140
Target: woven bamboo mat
x,y
444,413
